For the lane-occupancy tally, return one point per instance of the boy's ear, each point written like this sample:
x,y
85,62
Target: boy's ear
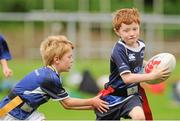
x,y
56,59
117,32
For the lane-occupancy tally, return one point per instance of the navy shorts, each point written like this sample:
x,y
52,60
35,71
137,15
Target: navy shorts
x,y
121,110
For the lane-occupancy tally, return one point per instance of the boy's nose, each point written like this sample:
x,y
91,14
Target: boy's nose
x,y
131,33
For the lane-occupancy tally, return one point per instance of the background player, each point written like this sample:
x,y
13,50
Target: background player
x,y
4,57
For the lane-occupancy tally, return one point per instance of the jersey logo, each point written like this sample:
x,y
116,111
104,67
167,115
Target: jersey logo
x,y
132,90
131,57
142,54
137,69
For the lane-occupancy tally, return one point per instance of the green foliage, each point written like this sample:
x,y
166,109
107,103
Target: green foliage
x,y
171,32
66,5
170,6
94,5
118,4
33,5
13,6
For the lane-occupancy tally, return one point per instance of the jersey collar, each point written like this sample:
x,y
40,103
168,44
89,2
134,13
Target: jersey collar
x,y
53,69
141,45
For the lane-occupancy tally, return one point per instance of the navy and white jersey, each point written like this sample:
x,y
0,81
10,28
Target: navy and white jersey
x,y
37,88
4,50
124,59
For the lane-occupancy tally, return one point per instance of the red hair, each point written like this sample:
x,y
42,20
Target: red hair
x,y
126,16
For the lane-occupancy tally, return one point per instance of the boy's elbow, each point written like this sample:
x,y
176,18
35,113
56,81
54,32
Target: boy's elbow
x,y
65,106
126,81
126,78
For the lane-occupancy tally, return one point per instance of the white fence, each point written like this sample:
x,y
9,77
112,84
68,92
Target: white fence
x,y
92,33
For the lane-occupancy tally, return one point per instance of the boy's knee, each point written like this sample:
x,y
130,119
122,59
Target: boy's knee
x,y
137,113
138,117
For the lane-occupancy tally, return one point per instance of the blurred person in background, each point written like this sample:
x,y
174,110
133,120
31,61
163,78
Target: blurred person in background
x,y
176,91
4,57
37,87
126,98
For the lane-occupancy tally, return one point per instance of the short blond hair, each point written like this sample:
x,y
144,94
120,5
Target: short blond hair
x,y
126,16
54,46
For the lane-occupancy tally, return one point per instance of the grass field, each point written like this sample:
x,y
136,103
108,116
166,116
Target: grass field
x,y
162,105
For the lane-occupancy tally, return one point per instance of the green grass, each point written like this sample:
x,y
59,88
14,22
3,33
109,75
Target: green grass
x,y
162,105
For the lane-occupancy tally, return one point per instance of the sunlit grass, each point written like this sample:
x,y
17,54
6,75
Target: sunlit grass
x,y
163,106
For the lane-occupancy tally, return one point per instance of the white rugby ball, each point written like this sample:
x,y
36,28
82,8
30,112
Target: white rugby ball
x,y
161,60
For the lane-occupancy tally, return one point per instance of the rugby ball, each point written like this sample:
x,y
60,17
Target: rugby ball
x,y
161,60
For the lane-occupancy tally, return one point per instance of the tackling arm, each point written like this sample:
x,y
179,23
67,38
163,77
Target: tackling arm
x,y
76,108
76,103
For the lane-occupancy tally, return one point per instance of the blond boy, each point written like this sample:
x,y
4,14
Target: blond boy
x,y
45,83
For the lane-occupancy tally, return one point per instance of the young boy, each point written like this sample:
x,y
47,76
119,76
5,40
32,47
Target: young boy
x,y
4,56
44,83
123,89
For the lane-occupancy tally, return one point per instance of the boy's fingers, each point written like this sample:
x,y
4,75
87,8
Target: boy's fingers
x,y
103,109
105,105
104,102
99,110
166,73
99,95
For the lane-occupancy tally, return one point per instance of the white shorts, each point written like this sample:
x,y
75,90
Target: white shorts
x,y
35,116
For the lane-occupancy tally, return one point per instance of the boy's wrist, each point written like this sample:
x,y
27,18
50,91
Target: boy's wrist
x,y
92,102
152,76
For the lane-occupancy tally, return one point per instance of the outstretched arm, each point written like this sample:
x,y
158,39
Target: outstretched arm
x,y
80,104
76,108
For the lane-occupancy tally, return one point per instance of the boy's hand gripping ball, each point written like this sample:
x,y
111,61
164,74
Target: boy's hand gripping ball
x,y
161,60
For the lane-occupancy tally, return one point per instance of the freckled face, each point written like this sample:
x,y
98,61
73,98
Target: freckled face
x,y
66,61
129,33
